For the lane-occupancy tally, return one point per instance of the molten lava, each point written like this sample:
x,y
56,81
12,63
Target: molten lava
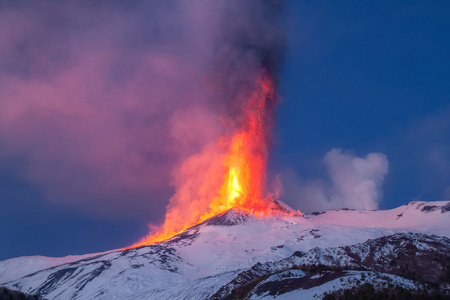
x,y
243,169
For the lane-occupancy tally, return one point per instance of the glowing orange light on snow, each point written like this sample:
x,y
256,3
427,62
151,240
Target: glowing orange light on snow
x,y
244,170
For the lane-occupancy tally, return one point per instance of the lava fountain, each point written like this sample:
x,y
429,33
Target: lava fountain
x,y
243,169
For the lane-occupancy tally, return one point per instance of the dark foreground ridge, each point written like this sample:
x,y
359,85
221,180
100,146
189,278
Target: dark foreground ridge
x,y
7,294
369,291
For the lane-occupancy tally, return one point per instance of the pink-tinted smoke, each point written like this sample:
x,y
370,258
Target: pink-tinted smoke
x,y
93,112
100,103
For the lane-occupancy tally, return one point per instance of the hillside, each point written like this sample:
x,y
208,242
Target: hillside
x,y
286,255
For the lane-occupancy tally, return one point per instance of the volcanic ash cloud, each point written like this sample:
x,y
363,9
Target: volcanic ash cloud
x,y
110,107
230,171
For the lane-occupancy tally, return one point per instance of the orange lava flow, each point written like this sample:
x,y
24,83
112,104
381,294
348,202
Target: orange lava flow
x,y
243,170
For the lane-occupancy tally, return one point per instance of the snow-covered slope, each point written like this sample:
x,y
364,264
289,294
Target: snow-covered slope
x,y
427,217
410,257
206,258
16,268
347,279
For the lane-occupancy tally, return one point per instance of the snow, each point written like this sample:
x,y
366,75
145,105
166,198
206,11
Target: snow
x,y
349,280
211,255
410,216
16,268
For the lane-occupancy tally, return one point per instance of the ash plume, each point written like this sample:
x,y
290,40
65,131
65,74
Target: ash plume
x,y
248,47
108,107
249,42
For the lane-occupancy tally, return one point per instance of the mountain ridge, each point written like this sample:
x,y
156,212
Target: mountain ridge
x,y
202,260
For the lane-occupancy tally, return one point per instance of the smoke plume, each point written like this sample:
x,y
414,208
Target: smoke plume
x,y
108,107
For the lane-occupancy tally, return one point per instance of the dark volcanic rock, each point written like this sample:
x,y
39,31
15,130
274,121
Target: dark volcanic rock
x,y
7,294
422,258
445,208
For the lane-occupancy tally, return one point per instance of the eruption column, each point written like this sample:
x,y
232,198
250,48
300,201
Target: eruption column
x,y
244,168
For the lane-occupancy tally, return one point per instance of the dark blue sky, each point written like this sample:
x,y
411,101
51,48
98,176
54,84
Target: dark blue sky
x,y
359,76
369,78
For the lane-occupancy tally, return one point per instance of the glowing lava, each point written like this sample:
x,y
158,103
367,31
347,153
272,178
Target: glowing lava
x,y
243,171
234,190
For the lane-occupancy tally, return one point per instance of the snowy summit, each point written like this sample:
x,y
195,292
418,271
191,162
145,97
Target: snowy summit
x,y
237,255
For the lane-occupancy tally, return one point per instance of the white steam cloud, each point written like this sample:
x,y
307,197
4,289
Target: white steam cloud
x,y
354,182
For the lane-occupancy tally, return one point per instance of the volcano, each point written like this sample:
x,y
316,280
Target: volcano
x,y
236,255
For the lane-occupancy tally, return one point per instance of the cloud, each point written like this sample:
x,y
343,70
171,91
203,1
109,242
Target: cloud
x,y
101,102
354,182
85,112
